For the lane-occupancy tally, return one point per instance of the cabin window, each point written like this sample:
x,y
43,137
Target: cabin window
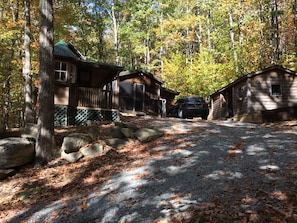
x,y
60,71
276,90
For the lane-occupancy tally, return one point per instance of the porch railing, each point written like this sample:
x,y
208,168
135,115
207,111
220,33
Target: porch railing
x,y
93,97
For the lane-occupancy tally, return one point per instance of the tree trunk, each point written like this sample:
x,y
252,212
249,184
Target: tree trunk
x,y
294,12
209,44
115,34
28,113
262,36
275,31
45,142
6,107
232,38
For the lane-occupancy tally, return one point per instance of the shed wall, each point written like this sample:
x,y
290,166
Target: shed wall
x,y
218,106
240,99
261,96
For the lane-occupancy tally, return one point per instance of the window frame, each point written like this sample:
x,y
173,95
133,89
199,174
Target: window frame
x,y
276,90
60,71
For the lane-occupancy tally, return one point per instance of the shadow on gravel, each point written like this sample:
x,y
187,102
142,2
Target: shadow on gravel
x,y
198,172
44,196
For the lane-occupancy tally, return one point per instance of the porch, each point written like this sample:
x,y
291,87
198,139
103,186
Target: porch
x,y
76,105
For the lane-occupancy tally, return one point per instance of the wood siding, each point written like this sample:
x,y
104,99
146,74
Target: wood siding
x,y
139,94
94,98
61,95
240,99
218,106
252,96
261,97
85,97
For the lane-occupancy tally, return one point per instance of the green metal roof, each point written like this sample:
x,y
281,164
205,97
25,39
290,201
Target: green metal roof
x,y
62,49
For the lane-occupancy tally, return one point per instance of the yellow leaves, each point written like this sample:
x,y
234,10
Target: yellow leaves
x,y
9,34
15,24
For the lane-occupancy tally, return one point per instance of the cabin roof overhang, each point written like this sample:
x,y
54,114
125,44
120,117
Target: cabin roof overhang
x,y
107,72
169,91
251,75
124,75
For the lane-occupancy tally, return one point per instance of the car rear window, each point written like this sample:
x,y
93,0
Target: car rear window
x,y
195,100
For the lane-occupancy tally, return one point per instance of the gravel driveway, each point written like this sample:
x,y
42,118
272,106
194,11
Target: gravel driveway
x,y
197,165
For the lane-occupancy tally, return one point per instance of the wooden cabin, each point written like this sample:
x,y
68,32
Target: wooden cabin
x,y
84,89
141,92
267,95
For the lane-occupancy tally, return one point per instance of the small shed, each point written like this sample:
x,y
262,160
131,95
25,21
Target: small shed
x,y
84,89
141,92
266,95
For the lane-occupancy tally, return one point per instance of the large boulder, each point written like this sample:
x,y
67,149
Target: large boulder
x,y
128,133
94,132
131,126
121,124
147,135
92,150
16,151
71,157
116,132
73,142
115,142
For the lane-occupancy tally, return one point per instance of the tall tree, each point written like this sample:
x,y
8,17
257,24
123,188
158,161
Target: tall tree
x,y
115,29
45,142
28,113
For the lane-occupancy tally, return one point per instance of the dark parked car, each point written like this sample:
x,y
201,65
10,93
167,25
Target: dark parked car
x,y
189,107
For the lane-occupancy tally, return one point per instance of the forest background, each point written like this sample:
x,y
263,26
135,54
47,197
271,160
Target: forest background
x,y
195,46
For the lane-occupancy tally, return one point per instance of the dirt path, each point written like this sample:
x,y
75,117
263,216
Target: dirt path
x,y
200,171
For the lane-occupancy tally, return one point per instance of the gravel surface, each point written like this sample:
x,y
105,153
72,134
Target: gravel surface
x,y
196,162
